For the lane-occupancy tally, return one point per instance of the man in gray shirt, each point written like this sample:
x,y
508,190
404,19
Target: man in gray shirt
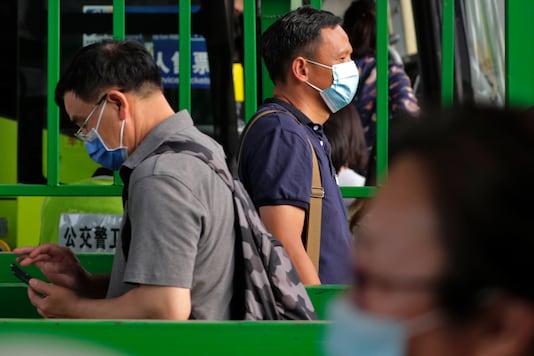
x,y
175,257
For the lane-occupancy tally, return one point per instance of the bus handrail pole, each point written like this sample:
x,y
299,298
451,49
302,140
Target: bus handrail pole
x,y
382,90
447,53
52,171
184,37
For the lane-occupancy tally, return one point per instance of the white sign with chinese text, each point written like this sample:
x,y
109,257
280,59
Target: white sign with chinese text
x,y
89,232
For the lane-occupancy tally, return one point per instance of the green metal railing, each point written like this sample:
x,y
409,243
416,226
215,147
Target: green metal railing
x,y
250,57
447,50
382,90
382,93
54,188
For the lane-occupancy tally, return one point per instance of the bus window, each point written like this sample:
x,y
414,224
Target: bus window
x,y
485,40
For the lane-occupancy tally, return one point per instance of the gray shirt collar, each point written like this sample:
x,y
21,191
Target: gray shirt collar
x,y
165,131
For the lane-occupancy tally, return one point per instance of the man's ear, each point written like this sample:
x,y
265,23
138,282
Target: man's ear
x,y
299,69
506,327
120,101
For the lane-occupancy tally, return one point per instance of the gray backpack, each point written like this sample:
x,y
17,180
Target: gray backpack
x,y
266,284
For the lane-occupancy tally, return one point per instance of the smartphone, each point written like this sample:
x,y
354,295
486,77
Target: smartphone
x,y
23,276
20,274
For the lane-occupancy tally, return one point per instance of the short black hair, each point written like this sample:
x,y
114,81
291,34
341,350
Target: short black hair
x,y
96,67
481,167
292,35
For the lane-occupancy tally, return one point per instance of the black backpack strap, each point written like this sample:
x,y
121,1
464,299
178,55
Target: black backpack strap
x,y
126,232
204,154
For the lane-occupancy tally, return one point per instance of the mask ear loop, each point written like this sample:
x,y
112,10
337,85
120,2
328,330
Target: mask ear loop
x,y
100,115
122,132
314,87
318,64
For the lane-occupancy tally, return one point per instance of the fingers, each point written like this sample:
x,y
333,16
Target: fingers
x,y
51,301
45,249
44,252
39,288
23,250
26,260
36,300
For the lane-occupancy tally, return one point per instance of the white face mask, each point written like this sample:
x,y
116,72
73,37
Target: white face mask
x,y
355,332
344,85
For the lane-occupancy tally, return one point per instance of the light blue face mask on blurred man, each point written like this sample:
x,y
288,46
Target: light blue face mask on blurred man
x,y
344,85
355,332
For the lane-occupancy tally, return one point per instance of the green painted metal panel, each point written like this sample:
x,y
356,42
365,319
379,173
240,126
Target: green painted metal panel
x,y
11,289
61,190
119,32
318,4
154,338
8,211
382,90
250,65
53,77
358,192
28,221
8,158
447,53
321,296
14,302
185,54
519,52
119,24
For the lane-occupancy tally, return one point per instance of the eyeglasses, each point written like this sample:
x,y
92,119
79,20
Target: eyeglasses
x,y
79,133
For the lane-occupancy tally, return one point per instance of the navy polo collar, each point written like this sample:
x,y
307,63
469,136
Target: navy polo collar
x,y
303,119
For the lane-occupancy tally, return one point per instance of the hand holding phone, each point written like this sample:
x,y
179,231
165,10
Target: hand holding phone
x,y
23,276
20,274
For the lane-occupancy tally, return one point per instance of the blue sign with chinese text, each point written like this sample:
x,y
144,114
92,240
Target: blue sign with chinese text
x,y
167,58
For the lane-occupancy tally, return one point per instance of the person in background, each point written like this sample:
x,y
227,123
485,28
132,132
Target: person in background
x,y
349,151
444,256
359,21
175,256
307,54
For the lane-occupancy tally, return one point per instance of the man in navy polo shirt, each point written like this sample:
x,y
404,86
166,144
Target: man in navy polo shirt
x,y
308,56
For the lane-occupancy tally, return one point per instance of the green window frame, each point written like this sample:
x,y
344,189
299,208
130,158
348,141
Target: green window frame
x,y
515,85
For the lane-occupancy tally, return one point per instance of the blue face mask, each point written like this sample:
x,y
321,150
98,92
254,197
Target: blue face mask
x,y
344,85
354,332
100,153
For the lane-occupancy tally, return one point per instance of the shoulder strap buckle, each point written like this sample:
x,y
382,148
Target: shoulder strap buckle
x,y
317,192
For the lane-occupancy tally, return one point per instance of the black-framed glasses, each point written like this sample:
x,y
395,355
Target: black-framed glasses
x,y
79,133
